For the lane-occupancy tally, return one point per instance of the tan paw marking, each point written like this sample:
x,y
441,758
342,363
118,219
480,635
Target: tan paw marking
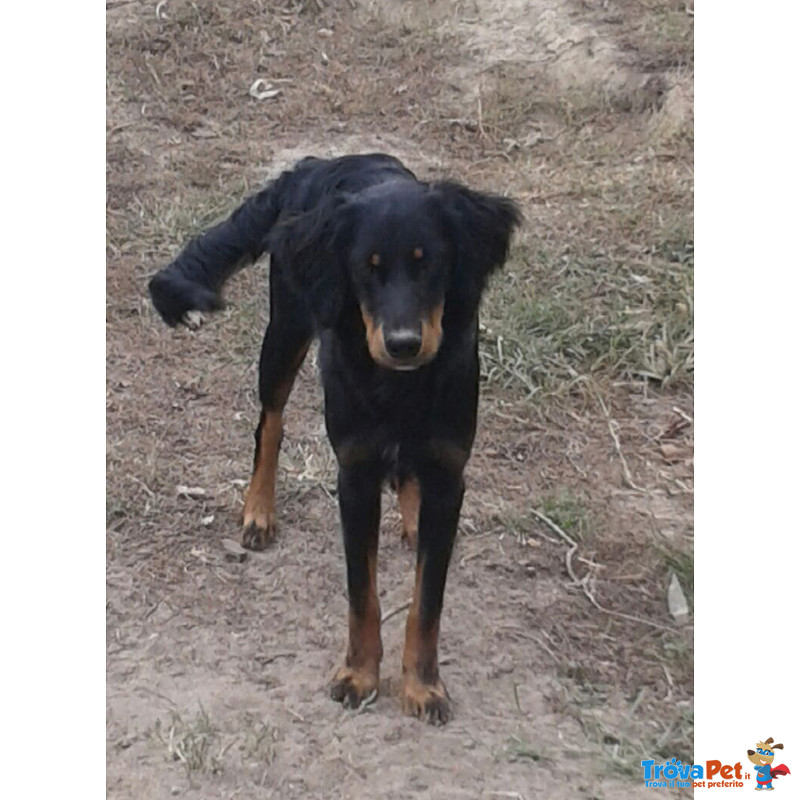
x,y
428,702
351,687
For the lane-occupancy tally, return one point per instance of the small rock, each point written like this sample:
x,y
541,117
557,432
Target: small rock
x,y
207,520
531,542
503,665
233,550
393,735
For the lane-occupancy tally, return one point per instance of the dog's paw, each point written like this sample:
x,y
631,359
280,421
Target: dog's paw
x,y
426,701
259,534
193,320
354,687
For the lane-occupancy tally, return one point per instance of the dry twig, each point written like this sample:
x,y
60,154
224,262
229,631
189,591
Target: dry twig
x,y
584,583
629,482
395,611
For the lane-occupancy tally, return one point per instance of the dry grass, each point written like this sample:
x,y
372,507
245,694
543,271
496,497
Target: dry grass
x,y
559,319
204,748
601,283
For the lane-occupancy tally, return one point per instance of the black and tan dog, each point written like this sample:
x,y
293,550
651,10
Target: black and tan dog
x,y
388,272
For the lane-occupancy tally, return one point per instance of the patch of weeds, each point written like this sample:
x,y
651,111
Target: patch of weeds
x,y
513,105
116,511
622,758
679,655
195,742
677,741
587,694
199,209
518,525
621,761
663,34
677,249
621,752
520,749
569,513
246,311
646,729
168,223
557,320
259,741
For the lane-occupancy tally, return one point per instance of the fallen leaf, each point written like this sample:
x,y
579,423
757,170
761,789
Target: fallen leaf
x,y
672,453
263,90
676,600
233,550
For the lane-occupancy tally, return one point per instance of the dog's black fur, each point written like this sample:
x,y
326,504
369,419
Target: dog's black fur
x,y
388,272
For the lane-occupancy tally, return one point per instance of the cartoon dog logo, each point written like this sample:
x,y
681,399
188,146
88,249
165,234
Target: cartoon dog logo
x,y
763,757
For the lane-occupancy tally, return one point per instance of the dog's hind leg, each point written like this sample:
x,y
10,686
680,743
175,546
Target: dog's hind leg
x,y
286,343
408,500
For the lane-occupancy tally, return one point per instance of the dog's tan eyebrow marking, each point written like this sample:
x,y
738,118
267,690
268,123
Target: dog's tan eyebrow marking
x,y
375,260
417,253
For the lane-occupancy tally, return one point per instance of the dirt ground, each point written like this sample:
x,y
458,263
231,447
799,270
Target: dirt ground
x,y
558,647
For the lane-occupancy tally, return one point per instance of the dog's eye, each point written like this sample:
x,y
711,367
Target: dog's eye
x,y
375,260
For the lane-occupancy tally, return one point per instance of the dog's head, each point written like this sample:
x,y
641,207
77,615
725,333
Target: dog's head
x,y
405,252
765,752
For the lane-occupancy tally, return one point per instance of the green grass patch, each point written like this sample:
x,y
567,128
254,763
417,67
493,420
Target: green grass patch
x,y
569,513
557,319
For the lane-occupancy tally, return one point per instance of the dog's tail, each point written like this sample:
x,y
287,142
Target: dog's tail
x,y
194,280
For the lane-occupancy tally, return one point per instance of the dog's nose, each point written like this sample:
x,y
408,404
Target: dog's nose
x,y
403,343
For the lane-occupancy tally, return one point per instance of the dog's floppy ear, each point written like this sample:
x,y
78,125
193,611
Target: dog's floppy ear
x,y
480,227
312,249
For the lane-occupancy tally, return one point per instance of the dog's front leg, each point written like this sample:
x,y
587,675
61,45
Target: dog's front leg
x,y
424,694
360,507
